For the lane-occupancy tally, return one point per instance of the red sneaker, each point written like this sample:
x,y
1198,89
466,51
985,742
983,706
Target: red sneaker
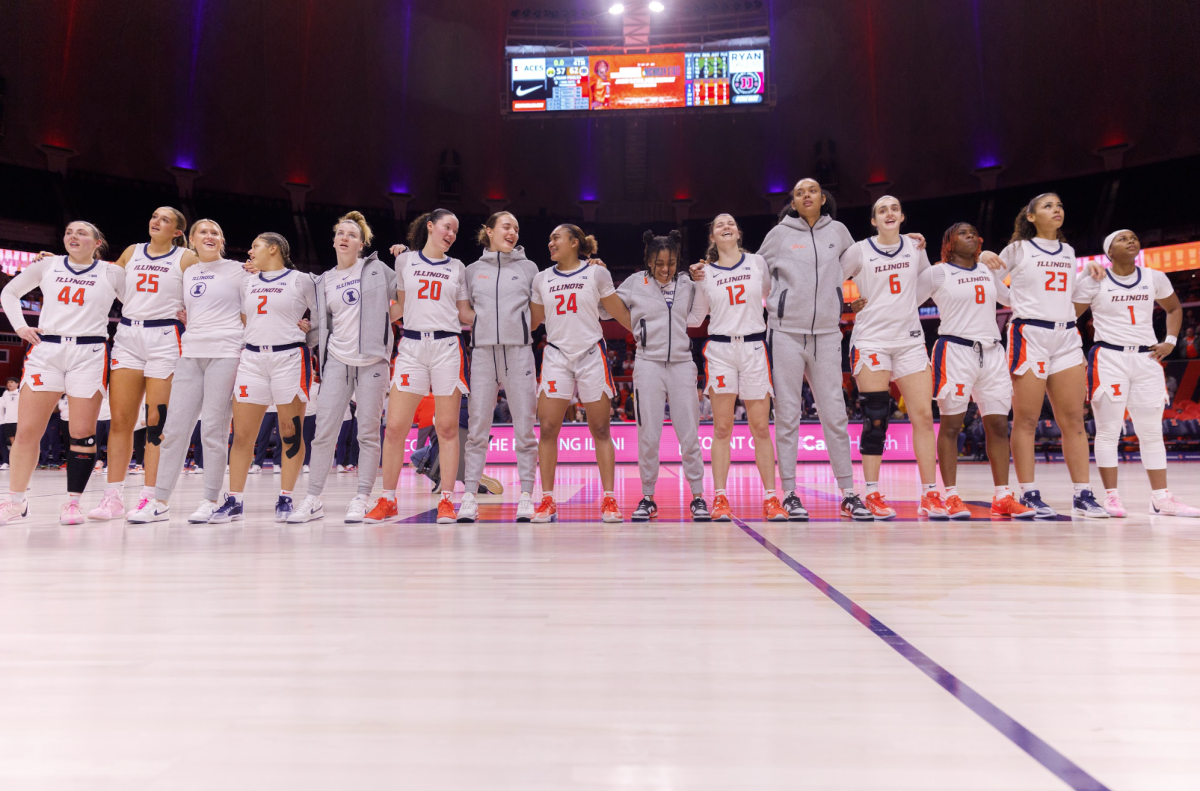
x,y
773,511
546,511
956,508
446,515
1008,505
721,511
932,506
879,507
609,512
384,510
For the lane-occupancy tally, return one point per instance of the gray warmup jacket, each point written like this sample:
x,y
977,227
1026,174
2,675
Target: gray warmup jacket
x,y
806,275
495,283
378,289
660,332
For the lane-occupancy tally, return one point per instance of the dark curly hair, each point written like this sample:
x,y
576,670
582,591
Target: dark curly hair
x,y
672,243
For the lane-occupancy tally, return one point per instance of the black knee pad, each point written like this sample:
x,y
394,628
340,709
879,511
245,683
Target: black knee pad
x,y
154,433
876,411
83,442
293,442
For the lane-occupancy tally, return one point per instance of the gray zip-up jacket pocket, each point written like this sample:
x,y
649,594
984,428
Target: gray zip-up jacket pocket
x,y
806,275
378,288
659,331
499,286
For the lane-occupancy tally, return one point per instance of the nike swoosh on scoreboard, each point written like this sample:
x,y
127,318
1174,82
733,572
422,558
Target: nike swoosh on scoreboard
x,y
529,90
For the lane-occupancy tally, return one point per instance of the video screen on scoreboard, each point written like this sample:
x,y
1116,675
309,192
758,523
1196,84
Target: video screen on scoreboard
x,y
601,83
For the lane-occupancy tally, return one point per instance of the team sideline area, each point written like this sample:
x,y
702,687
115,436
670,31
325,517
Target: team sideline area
x,y
829,655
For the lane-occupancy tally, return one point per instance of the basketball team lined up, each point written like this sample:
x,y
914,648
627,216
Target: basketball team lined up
x,y
206,338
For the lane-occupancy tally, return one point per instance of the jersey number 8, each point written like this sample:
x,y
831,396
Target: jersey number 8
x,y
980,295
66,298
430,289
571,307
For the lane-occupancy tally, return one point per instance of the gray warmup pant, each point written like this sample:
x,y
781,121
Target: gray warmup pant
x,y
653,384
493,368
820,356
368,385
202,388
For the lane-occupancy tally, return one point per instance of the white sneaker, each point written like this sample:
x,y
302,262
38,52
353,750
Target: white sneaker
x,y
357,509
277,469
1169,506
310,508
341,468
468,509
153,511
254,470
4,466
13,512
111,507
99,465
203,512
305,468
525,507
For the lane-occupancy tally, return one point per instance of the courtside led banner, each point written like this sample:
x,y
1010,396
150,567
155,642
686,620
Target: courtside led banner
x,y
575,444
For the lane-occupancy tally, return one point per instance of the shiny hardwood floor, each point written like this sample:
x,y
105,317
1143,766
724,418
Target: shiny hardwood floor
x,y
586,656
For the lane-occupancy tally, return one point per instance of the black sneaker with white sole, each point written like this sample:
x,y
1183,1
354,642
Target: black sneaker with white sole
x,y
795,509
700,510
853,507
645,511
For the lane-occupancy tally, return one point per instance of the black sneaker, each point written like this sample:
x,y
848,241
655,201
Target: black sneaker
x,y
853,507
645,511
700,510
795,509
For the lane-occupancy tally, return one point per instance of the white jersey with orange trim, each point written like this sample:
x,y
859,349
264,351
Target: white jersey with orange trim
x,y
153,285
212,297
1123,307
75,301
733,297
273,304
886,276
572,305
432,290
966,300
1042,279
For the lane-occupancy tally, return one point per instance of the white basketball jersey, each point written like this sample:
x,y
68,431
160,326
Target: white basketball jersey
x,y
734,296
274,303
432,290
76,301
1043,279
886,277
1123,307
212,297
572,304
153,286
966,301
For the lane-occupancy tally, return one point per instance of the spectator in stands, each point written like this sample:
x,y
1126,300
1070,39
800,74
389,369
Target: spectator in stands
x,y
1172,386
706,415
1190,344
52,438
8,418
501,413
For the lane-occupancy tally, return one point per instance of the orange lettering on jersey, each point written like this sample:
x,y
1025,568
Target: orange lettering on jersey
x,y
404,380
720,381
874,359
797,247
243,394
552,389
1116,390
37,380
960,390
1041,367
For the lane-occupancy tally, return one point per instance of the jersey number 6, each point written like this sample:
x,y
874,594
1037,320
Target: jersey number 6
x,y
894,283
430,289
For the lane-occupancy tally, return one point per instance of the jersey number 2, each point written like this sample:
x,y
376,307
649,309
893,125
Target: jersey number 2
x,y
570,305
262,304
66,298
1059,276
148,282
430,289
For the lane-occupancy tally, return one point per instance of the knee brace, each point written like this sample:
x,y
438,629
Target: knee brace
x,y
1108,434
875,410
293,442
1148,425
154,433
80,464
83,442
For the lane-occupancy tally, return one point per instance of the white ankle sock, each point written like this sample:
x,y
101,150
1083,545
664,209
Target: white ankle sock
x,y
872,486
1026,488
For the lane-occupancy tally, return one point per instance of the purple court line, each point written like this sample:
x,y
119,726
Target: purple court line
x,y
1061,766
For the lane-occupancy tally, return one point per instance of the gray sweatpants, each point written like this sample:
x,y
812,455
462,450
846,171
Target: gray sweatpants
x,y
368,385
201,389
653,384
510,368
820,357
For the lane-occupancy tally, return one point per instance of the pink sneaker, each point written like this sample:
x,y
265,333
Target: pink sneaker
x,y
12,512
71,514
1114,506
1169,506
111,507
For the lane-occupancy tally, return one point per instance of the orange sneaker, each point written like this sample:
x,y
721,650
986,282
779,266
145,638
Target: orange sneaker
x,y
1009,506
932,506
546,511
879,507
384,510
446,515
609,512
773,511
956,508
721,511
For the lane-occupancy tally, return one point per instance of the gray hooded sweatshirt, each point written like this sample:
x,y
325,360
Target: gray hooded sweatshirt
x,y
660,330
499,285
378,289
806,275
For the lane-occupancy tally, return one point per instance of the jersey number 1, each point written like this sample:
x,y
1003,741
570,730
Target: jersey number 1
x,y
66,298
1132,318
570,306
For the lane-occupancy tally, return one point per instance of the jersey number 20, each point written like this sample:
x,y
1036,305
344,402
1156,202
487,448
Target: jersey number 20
x,y
430,289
